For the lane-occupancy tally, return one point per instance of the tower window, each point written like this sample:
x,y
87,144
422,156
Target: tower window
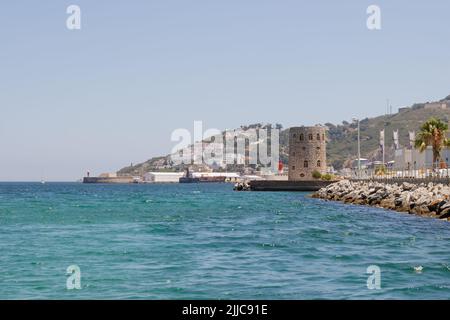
x,y
318,163
293,167
310,136
301,137
318,136
305,164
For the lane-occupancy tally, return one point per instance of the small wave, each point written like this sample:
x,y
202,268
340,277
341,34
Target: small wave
x,y
418,269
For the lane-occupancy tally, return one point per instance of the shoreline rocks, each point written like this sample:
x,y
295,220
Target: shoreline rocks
x,y
242,186
427,200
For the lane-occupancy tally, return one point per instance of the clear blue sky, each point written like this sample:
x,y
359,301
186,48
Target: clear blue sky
x,y
111,93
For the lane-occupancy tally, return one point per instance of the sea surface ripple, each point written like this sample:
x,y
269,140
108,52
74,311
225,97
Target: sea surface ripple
x,y
204,241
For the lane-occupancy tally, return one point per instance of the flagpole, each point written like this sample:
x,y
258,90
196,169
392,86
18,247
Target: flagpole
x,y
359,149
412,159
384,161
382,143
412,138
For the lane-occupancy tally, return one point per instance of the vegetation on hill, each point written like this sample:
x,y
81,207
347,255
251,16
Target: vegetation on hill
x,y
342,146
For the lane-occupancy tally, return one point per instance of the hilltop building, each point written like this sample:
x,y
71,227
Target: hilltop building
x,y
307,152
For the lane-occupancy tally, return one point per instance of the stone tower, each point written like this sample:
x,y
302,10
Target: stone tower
x,y
307,152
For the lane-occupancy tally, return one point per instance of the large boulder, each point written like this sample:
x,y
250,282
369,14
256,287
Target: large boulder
x,y
408,186
435,205
444,206
388,203
445,214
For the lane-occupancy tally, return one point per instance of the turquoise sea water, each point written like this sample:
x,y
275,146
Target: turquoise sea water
x,y
204,241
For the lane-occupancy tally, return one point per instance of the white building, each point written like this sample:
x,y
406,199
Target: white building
x,y
362,161
163,177
437,105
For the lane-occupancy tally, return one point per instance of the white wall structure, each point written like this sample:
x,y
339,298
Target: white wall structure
x,y
108,175
424,159
163,177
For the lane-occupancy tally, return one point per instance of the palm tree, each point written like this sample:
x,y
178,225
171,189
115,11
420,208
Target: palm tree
x,y
432,133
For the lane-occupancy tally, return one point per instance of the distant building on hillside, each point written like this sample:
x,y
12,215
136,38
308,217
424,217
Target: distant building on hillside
x,y
403,109
437,105
307,152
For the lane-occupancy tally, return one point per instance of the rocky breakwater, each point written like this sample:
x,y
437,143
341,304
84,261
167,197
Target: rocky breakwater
x,y
428,200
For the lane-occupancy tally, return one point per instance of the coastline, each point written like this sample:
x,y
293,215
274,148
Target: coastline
x,y
430,200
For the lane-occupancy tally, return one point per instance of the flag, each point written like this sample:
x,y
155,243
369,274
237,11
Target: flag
x,y
280,166
412,139
382,140
396,143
